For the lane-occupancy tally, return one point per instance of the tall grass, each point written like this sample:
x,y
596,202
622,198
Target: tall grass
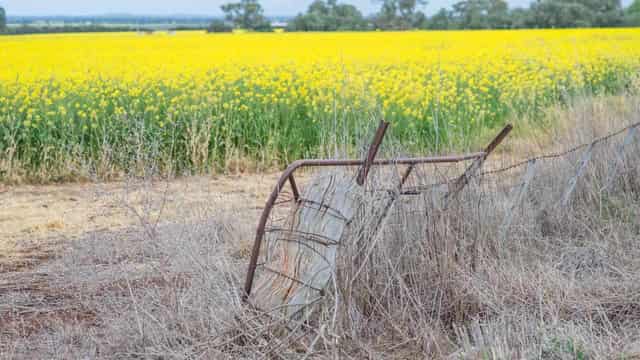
x,y
106,128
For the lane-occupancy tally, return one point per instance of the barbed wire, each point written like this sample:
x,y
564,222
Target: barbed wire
x,y
559,154
529,160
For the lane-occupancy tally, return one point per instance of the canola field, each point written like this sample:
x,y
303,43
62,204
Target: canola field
x,y
194,102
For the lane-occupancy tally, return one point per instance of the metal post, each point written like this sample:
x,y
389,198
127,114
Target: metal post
x,y
373,151
294,188
463,180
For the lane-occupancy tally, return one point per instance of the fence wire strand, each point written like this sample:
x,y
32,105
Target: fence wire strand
x,y
559,154
550,156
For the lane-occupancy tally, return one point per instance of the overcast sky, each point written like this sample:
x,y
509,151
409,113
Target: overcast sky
x,y
192,7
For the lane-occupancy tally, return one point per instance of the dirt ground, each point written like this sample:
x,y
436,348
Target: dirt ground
x,y
36,221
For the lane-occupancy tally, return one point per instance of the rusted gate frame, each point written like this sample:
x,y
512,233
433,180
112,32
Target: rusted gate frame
x,y
365,165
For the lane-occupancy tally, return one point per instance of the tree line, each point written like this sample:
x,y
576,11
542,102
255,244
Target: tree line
x,y
330,15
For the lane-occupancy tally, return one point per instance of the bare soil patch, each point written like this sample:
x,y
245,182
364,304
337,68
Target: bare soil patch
x,y
37,220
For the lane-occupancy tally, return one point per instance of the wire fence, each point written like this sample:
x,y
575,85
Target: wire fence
x,y
631,132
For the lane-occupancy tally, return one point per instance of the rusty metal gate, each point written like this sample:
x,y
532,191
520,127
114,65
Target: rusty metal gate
x,y
299,232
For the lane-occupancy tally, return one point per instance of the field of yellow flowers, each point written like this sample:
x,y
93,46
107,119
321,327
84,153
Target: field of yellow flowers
x,y
193,101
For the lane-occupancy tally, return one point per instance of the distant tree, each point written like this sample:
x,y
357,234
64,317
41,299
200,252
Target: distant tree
x,y
419,20
347,17
219,26
560,14
495,14
3,19
577,13
470,14
329,16
482,14
400,14
606,13
498,16
521,18
632,14
409,8
246,14
442,20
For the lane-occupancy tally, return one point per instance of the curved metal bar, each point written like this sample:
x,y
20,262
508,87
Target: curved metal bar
x,y
287,175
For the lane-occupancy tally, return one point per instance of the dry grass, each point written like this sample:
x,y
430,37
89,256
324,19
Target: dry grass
x,y
559,283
